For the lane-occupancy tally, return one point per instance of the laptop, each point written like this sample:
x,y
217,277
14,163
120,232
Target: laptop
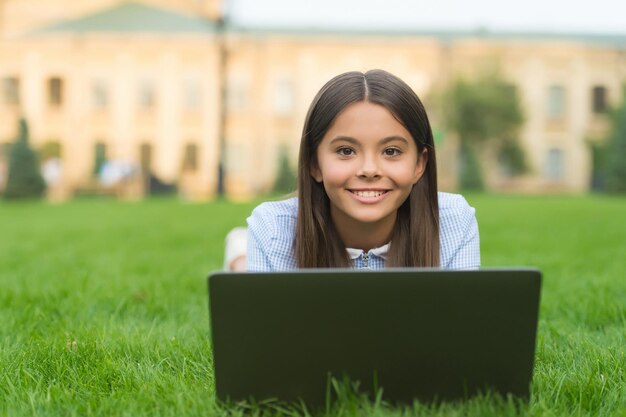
x,y
412,334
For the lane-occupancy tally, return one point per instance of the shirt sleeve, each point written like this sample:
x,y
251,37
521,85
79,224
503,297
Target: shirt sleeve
x,y
271,234
259,242
460,243
467,255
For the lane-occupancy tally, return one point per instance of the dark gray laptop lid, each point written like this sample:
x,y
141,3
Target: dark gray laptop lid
x,y
418,334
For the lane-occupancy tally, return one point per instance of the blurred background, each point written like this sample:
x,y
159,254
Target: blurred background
x,y
207,98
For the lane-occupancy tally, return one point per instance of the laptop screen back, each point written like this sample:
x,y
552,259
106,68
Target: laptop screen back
x,y
417,334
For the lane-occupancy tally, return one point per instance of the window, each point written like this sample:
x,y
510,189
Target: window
x,y
283,97
599,103
554,165
99,157
5,149
237,159
505,168
100,94
145,158
236,95
556,102
147,95
192,94
11,91
190,158
55,91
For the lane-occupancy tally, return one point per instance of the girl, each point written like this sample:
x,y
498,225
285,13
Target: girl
x,y
367,188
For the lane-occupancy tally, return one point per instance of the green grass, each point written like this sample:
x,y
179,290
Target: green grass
x,y
103,306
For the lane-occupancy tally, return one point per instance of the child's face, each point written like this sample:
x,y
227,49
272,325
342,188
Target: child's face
x,y
368,163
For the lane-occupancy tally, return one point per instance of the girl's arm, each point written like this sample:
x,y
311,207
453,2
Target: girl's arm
x,y
271,231
460,244
467,255
256,260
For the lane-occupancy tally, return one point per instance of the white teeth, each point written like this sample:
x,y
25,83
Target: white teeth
x,y
369,193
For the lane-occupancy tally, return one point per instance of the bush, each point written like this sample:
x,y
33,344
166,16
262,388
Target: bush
x,y
485,111
24,180
286,180
470,173
513,157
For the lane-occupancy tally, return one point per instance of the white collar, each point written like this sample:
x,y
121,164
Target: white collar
x,y
380,252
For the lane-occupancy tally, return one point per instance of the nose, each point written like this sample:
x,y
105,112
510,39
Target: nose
x,y
369,167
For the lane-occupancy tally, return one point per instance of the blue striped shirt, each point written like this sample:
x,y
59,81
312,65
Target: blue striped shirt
x,y
272,228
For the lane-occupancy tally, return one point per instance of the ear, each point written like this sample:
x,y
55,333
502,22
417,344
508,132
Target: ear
x,y
420,167
316,172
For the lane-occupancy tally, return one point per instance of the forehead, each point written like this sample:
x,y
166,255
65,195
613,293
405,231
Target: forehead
x,y
365,120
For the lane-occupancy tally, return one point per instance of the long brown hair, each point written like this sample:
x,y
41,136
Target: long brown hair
x,y
415,239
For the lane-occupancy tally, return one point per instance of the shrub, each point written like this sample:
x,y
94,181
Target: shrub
x,y
285,178
24,179
482,111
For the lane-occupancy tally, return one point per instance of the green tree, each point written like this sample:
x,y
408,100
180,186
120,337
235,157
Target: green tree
x,y
285,178
615,168
24,179
480,111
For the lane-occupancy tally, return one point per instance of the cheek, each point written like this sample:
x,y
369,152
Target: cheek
x,y
403,174
336,174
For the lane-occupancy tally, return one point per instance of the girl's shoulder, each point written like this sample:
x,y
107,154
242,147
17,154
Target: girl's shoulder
x,y
271,234
274,219
455,211
450,201
281,208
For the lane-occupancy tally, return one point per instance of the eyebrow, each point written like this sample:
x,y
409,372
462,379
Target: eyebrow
x,y
354,141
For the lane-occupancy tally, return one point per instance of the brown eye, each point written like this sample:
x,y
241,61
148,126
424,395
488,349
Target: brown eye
x,y
392,152
345,151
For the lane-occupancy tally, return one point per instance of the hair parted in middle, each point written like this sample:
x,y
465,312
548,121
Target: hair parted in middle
x,y
415,239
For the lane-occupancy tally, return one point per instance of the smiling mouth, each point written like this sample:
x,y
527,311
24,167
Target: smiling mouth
x,y
369,194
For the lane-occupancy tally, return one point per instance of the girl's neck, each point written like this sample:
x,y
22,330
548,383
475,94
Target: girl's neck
x,y
364,236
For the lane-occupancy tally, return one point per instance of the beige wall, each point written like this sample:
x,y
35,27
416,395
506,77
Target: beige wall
x,y
305,63
123,65
428,65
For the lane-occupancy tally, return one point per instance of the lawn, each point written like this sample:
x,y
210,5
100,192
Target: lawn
x,y
103,306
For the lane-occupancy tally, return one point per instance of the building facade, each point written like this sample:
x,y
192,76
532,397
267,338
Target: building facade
x,y
162,88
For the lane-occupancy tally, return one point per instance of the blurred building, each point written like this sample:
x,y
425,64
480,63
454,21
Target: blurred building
x,y
155,85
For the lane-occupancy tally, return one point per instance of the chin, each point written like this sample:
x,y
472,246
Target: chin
x,y
369,218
